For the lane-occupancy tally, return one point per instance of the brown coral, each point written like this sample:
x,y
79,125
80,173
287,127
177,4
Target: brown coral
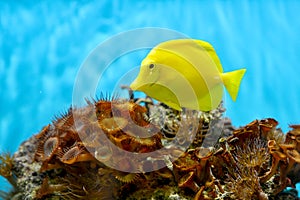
x,y
242,161
240,165
80,152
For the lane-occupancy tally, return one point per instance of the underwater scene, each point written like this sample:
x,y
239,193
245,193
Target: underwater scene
x,y
162,100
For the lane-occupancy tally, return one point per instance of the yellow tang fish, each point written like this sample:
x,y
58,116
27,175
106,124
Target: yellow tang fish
x,y
186,73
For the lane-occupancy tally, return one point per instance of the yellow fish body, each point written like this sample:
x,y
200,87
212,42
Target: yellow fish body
x,y
186,73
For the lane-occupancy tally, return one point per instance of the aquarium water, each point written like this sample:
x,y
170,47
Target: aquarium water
x,y
44,43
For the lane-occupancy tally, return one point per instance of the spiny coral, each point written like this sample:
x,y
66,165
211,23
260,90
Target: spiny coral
x,y
69,145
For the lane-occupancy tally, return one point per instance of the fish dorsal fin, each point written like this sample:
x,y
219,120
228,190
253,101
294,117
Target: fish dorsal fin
x,y
211,51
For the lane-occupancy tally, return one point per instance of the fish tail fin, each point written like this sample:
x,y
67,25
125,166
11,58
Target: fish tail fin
x,y
232,81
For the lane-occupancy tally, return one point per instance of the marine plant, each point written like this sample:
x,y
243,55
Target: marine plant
x,y
6,170
6,167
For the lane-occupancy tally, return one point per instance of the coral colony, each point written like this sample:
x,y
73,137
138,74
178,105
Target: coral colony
x,y
256,161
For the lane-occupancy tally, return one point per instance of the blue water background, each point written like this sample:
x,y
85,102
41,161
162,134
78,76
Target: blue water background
x,y
43,43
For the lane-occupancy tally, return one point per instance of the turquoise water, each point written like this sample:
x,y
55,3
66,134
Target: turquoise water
x,y
43,44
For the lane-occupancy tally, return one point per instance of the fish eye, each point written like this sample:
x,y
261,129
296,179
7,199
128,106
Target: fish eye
x,y
151,66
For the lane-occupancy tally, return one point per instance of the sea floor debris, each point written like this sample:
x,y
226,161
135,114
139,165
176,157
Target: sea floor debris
x,y
68,158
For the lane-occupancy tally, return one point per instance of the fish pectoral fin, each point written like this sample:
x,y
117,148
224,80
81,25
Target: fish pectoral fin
x,y
232,81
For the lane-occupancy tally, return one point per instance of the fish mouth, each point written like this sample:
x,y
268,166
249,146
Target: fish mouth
x,y
137,85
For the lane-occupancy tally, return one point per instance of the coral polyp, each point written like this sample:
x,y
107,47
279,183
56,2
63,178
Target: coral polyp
x,y
201,156
113,124
70,155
